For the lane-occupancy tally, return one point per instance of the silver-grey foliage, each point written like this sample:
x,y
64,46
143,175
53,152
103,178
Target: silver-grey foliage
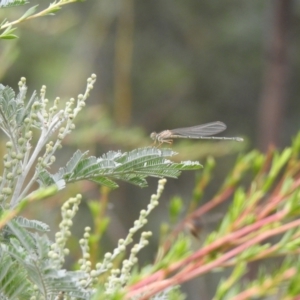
x,y
35,130
30,255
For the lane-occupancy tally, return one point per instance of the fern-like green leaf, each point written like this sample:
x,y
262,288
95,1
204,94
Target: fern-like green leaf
x,y
46,179
105,181
21,235
8,104
9,3
73,162
13,281
32,224
133,167
30,252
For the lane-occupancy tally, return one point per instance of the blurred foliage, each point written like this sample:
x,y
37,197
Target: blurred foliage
x,y
191,62
257,240
187,63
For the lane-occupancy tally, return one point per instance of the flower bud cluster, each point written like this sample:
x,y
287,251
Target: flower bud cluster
x,y
129,263
118,278
22,87
84,262
58,250
52,119
55,119
72,113
19,119
13,162
17,146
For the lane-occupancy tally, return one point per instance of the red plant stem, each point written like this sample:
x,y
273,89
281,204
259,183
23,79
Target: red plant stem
x,y
268,161
261,174
271,205
211,204
277,199
255,291
208,249
264,254
197,213
248,210
239,249
147,290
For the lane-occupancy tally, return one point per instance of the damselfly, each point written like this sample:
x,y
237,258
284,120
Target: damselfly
x,y
203,131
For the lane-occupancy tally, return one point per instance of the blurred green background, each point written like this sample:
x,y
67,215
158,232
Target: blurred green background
x,y
160,65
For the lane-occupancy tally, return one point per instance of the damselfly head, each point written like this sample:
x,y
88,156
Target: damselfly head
x,y
153,135
239,139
